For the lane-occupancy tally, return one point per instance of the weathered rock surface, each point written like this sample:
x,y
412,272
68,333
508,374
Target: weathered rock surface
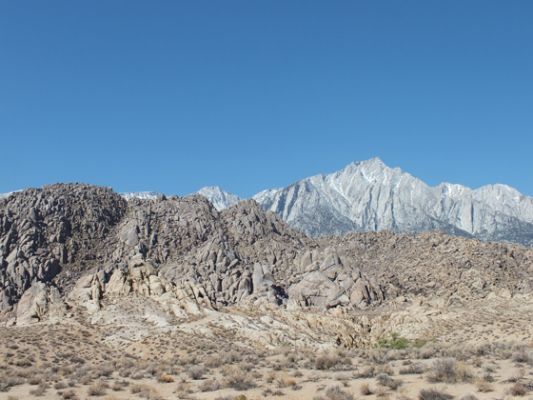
x,y
66,246
42,231
40,301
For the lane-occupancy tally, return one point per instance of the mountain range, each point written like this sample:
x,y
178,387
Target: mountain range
x,y
370,196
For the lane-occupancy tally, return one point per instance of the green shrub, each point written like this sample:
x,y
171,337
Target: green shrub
x,y
395,342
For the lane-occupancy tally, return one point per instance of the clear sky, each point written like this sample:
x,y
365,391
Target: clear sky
x,y
174,95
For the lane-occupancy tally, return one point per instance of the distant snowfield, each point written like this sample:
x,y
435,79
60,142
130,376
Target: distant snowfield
x,y
141,195
7,194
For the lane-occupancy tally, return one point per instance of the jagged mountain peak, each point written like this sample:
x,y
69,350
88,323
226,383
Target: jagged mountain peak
x,y
375,165
374,162
219,197
499,189
212,189
371,196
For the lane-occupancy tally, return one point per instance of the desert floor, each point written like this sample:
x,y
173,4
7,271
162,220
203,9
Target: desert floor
x,y
70,361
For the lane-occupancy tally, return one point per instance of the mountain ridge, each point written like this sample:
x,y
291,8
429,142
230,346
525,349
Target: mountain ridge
x,y
371,196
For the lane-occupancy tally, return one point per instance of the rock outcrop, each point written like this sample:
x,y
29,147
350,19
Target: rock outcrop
x,y
68,245
42,231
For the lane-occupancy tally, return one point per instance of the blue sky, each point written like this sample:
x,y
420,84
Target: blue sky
x,y
175,95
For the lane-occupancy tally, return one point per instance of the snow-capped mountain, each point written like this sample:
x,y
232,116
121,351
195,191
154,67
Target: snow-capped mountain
x,y
369,196
218,197
142,195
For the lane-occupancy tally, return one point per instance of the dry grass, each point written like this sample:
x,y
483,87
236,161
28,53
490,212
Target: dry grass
x,y
50,362
165,378
236,378
97,389
448,370
336,361
335,393
364,389
518,389
433,394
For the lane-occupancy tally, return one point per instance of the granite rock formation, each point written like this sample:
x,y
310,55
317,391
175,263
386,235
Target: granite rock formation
x,y
81,243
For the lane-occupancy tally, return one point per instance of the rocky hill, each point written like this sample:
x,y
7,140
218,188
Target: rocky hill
x,y
59,228
81,243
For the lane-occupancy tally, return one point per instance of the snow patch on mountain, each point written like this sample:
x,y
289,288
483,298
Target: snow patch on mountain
x,y
7,194
142,195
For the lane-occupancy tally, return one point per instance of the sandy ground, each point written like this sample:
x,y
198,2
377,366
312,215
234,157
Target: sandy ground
x,y
306,385
490,344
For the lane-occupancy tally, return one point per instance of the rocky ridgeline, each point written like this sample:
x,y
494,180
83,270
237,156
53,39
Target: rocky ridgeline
x,y
439,265
77,244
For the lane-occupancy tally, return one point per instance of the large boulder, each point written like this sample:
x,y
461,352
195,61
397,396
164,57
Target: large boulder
x,y
38,302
